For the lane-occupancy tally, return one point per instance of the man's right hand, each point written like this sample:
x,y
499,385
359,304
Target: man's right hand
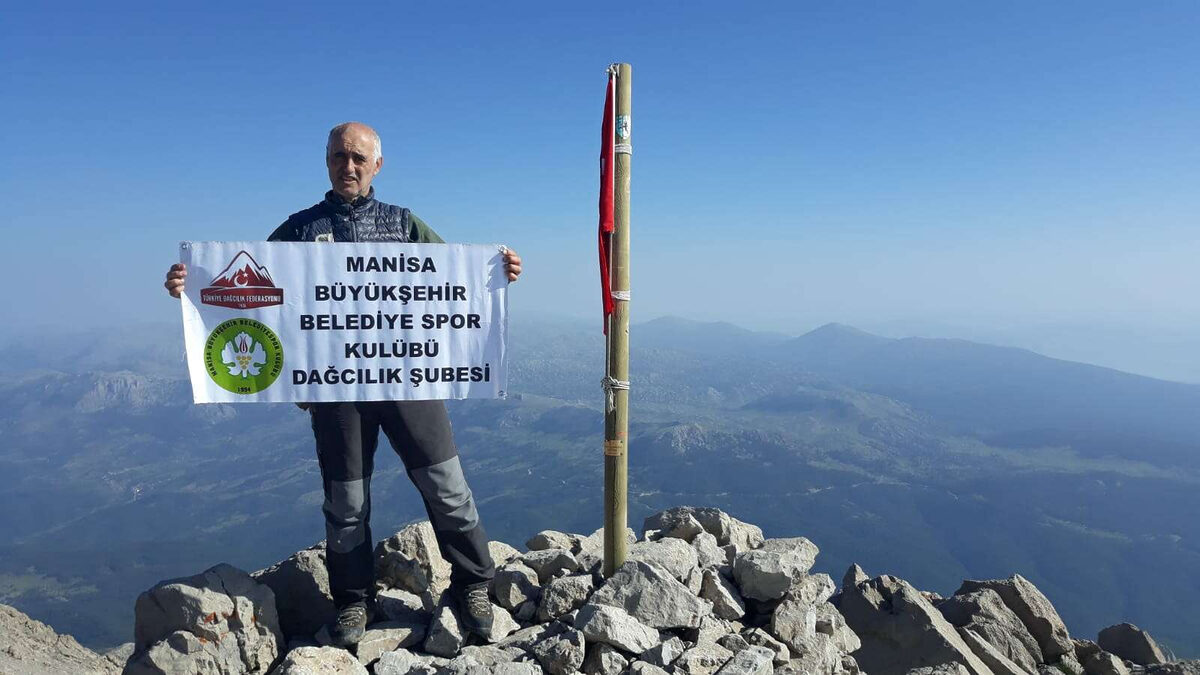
x,y
175,278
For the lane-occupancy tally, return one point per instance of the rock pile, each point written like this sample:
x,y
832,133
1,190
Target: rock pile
x,y
701,593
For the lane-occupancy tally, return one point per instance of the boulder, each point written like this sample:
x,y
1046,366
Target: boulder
x,y
301,587
563,594
404,662
547,539
703,659
900,630
410,560
653,596
1132,644
991,656
549,563
664,653
749,661
394,604
831,622
768,573
602,659
793,622
757,636
643,668
386,636
219,621
445,635
516,583
727,530
1033,609
673,555
818,654
503,624
1189,667
317,661
614,626
726,601
562,653
501,552
709,553
985,614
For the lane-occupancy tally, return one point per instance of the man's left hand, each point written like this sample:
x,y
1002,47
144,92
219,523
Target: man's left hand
x,y
512,264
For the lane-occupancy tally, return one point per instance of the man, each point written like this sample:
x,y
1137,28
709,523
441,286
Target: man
x,y
347,433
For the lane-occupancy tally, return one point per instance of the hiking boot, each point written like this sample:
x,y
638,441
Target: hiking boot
x,y
474,607
350,625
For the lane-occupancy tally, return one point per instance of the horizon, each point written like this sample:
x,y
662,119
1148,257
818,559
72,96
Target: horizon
x,y
945,170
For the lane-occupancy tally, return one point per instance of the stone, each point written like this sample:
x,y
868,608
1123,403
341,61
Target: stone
x,y
695,580
653,596
503,624
564,594
854,576
708,552
1069,665
793,622
386,636
703,659
410,560
30,646
514,584
940,669
811,589
231,616
394,604
404,662
301,587
1189,667
517,668
991,656
643,668
710,630
1033,609
318,661
831,622
734,642
686,527
501,552
727,529
900,630
726,601
664,653
614,626
1103,663
749,661
1132,644
761,638
988,617
675,556
490,655
525,638
562,653
445,635
602,659
768,573
547,539
549,563
527,612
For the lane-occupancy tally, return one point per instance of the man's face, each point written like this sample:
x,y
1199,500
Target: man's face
x,y
351,167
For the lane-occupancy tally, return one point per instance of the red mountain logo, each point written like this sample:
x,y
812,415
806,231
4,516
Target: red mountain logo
x,y
243,284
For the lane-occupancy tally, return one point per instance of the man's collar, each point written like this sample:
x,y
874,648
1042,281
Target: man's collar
x,y
337,200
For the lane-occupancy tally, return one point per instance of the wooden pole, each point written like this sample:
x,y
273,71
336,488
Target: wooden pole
x,y
616,415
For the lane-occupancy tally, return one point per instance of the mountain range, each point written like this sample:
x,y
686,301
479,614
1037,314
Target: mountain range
x,y
935,460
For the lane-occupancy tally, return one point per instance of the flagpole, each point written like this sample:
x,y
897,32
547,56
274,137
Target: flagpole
x,y
616,414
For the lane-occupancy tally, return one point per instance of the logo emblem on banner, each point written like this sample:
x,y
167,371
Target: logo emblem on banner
x,y
243,284
243,356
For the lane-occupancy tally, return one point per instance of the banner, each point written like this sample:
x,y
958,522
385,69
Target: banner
x,y
314,322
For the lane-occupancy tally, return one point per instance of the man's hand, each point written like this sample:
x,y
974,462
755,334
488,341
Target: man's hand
x,y
512,264
178,272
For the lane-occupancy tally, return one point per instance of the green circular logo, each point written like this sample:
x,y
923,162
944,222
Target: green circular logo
x,y
243,356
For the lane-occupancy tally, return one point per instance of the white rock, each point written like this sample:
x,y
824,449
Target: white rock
x,y
319,661
614,626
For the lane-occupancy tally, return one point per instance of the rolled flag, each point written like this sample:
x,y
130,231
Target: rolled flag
x,y
607,139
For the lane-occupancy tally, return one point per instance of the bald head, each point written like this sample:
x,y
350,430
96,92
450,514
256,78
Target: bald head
x,y
354,157
355,127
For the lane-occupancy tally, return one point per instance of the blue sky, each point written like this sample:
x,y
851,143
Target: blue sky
x,y
1004,171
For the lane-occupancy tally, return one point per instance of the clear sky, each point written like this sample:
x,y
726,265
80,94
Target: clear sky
x,y
921,167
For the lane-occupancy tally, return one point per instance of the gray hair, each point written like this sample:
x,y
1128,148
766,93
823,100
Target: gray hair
x,y
376,153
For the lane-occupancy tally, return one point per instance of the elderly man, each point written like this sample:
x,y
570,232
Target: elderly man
x,y
347,433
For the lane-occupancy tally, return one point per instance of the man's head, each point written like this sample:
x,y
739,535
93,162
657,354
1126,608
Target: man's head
x,y
354,156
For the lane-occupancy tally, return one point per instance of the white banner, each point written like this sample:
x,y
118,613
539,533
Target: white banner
x,y
309,322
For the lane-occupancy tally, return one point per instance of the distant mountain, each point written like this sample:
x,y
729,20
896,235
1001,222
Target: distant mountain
x,y
935,460
1012,395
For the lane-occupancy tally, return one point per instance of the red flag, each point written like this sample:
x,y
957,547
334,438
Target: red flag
x,y
607,138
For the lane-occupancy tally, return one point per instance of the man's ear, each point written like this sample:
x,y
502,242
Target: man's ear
x,y
378,165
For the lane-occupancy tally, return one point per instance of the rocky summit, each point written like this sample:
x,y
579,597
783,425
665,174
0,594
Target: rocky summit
x,y
701,593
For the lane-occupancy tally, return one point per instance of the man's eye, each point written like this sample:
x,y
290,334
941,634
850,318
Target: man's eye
x,y
360,158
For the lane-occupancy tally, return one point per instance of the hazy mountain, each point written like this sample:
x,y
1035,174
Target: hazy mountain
x,y
936,460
